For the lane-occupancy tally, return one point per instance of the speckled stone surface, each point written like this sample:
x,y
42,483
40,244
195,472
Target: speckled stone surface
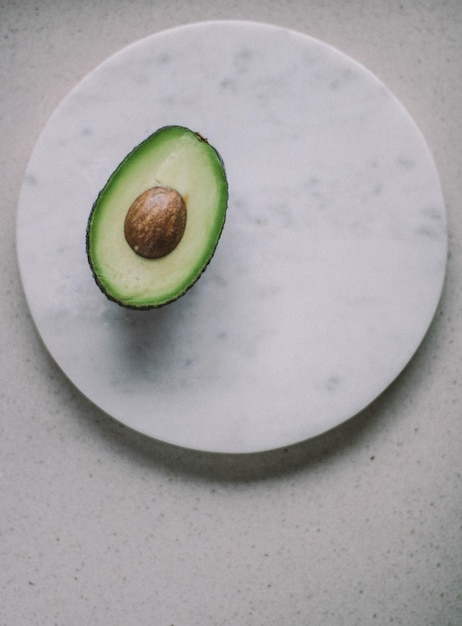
x,y
329,269
101,525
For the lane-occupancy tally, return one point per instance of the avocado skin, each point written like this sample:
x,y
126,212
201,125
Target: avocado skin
x,y
149,307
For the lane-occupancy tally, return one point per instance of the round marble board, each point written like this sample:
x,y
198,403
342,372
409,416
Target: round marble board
x,y
329,269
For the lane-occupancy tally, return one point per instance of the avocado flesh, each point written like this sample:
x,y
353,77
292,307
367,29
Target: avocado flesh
x,y
173,157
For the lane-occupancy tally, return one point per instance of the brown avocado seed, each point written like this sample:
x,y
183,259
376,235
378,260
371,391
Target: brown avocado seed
x,y
155,222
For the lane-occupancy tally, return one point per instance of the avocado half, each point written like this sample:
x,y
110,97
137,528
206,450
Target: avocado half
x,y
173,161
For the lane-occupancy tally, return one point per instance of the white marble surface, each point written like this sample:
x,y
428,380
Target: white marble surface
x,y
102,525
329,269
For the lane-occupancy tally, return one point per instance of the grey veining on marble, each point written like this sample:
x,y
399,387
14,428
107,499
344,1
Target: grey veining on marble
x,y
329,269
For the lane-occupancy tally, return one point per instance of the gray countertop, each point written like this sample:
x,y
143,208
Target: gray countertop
x,y
101,525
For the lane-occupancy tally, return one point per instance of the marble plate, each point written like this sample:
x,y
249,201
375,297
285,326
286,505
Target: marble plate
x,y
331,262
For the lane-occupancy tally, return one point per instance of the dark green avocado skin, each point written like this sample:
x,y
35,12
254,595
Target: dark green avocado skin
x,y
87,234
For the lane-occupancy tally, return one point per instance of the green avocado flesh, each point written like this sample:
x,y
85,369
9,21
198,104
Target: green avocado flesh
x,y
175,158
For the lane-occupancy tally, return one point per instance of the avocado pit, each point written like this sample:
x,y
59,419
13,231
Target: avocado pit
x,y
155,222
